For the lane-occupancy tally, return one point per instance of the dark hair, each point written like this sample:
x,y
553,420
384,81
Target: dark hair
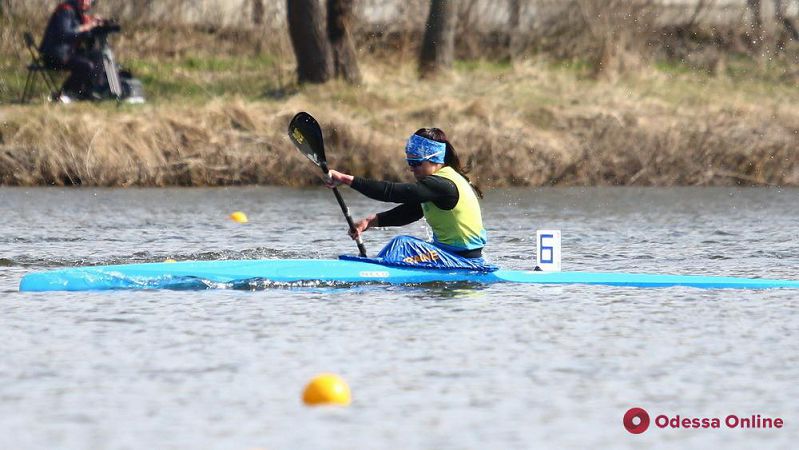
x,y
450,157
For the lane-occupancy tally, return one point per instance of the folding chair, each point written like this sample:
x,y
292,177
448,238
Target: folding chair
x,y
36,66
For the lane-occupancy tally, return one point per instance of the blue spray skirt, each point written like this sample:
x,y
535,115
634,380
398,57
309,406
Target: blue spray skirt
x,y
408,251
233,273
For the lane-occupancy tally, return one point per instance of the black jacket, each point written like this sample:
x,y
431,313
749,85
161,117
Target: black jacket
x,y
61,37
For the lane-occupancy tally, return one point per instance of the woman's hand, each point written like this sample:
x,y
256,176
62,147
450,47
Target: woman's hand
x,y
363,225
335,178
94,22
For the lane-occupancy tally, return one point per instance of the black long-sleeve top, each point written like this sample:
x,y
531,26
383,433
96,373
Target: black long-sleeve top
x,y
439,190
62,35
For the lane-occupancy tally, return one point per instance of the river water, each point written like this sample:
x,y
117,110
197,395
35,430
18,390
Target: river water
x,y
430,367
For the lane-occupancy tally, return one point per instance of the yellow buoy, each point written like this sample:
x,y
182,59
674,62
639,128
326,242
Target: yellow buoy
x,y
327,389
238,216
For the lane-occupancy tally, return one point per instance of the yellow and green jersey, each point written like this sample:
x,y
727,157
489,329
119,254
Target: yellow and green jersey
x,y
460,228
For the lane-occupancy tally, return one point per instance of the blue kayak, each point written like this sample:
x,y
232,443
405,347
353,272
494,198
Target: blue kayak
x,y
254,273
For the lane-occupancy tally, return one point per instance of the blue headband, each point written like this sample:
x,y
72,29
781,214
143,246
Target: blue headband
x,y
420,148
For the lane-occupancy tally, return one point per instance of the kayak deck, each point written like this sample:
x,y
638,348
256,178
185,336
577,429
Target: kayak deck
x,y
206,274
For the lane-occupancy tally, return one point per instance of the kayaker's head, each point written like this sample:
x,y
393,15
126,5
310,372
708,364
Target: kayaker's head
x,y
424,153
428,150
84,5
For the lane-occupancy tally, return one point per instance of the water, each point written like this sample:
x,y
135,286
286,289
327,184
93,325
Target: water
x,y
500,366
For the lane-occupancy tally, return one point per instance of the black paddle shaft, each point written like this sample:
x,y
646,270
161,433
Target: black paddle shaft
x,y
306,134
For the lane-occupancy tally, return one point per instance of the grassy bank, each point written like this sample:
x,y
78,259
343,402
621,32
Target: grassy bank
x,y
218,112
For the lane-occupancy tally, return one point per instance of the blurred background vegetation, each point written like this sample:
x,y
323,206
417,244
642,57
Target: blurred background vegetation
x,y
533,92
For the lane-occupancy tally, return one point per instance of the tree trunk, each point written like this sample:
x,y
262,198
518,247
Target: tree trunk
x,y
339,20
779,13
438,46
754,9
514,38
311,48
756,37
258,12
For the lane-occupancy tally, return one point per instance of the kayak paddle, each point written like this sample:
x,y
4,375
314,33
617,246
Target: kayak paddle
x,y
305,133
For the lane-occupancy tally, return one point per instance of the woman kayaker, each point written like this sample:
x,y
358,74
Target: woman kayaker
x,y
442,194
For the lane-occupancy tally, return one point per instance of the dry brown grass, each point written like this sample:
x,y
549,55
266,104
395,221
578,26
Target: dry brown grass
x,y
525,125
611,36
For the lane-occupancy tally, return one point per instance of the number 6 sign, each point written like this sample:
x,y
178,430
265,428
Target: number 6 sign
x,y
548,250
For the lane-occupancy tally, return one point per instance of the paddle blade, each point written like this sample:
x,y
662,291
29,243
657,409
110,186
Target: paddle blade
x,y
305,133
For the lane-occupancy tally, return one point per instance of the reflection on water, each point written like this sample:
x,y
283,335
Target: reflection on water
x,y
430,366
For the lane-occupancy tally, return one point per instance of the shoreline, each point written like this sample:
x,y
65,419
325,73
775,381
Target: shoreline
x,y
532,124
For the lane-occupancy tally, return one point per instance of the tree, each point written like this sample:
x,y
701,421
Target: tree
x,y
339,19
758,33
311,47
438,45
514,11
756,36
258,12
782,18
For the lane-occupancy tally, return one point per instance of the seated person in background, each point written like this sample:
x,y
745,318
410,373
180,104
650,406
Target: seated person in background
x,y
64,47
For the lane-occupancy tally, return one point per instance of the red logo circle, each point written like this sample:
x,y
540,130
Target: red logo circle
x,y
636,426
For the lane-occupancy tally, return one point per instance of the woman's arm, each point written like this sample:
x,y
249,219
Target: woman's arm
x,y
401,215
396,217
434,189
